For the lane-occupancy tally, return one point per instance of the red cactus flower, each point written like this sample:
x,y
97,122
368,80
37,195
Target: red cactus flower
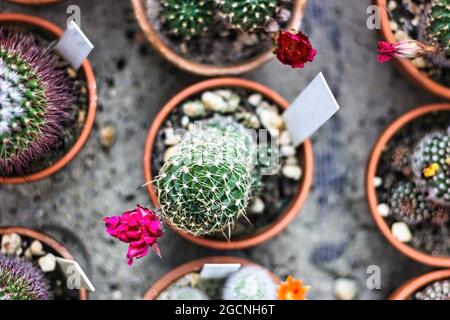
x,y
294,49
406,49
141,228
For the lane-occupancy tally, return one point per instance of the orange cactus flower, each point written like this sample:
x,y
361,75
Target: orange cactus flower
x,y
292,289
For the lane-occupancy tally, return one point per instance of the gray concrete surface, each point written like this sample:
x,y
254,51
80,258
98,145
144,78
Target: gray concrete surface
x,y
334,236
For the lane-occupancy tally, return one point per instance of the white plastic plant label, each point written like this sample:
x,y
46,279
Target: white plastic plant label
x,y
310,110
219,270
74,46
76,277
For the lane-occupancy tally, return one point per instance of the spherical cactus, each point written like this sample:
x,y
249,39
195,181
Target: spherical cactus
x,y
185,293
188,18
207,184
20,280
409,204
250,283
248,15
437,24
431,163
35,100
439,290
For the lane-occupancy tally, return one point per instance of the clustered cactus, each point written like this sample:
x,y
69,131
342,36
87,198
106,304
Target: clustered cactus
x,y
437,22
248,15
439,290
207,184
21,280
35,100
426,197
192,18
250,283
188,18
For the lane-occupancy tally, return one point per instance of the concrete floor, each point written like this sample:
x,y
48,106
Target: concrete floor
x,y
333,237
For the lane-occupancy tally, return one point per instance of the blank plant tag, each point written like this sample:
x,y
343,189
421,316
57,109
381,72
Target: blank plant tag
x,y
219,270
74,46
76,277
310,110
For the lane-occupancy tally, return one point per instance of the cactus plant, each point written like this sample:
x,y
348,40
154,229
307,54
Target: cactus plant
x,y
437,21
207,184
20,280
431,164
439,290
185,293
35,100
248,15
410,205
250,283
188,18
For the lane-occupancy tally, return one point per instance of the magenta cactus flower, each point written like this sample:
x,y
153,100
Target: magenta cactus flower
x,y
21,280
36,99
406,49
141,228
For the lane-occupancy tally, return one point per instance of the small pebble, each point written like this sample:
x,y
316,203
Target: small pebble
x,y
81,118
401,232
72,73
292,160
293,172
47,263
36,248
383,209
213,101
257,206
169,153
345,289
171,138
11,244
270,118
377,182
194,109
108,136
185,121
392,5
285,138
255,99
288,151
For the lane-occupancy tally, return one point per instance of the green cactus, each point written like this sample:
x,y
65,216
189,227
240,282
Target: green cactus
x,y
207,184
438,24
185,293
248,15
431,164
188,18
250,283
439,290
409,204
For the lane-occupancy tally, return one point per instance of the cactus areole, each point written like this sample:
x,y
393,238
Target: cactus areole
x,y
36,99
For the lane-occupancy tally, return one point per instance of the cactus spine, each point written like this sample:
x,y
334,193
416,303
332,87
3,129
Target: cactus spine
x,y
20,280
207,184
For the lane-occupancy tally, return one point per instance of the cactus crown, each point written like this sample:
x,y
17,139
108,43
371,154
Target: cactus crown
x,y
431,163
185,293
250,283
207,184
35,100
248,15
20,280
188,18
438,24
439,290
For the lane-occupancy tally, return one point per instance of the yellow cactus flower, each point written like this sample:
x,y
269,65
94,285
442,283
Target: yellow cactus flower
x,y
431,170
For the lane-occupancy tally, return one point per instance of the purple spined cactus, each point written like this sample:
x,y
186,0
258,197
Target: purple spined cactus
x,y
21,280
36,100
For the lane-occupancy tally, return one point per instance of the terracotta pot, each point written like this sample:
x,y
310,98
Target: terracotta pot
x,y
306,160
35,2
194,266
46,240
50,28
406,291
406,66
374,160
204,69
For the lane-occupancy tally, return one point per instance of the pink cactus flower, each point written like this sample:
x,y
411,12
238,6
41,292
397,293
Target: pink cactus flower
x,y
406,49
141,228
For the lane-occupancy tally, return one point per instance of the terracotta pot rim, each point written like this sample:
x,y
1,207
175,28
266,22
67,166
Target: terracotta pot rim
x,y
91,108
47,240
204,69
170,277
413,285
283,221
406,66
375,157
35,2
